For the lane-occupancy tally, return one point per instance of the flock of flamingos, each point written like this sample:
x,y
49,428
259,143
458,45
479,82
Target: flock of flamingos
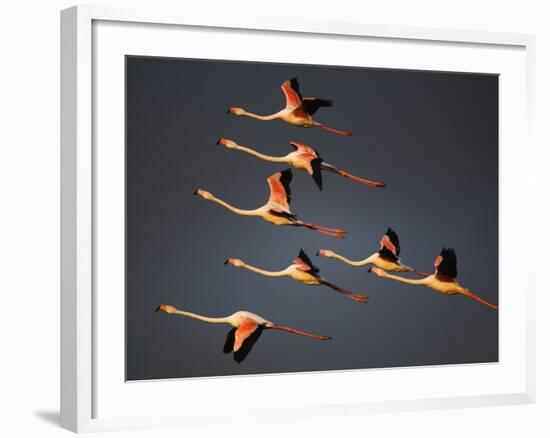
x,y
247,326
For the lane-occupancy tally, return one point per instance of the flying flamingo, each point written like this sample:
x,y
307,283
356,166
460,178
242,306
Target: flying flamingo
x,y
301,270
443,280
298,110
386,258
246,329
303,157
277,208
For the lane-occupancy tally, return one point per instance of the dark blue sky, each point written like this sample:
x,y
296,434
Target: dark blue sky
x,y
431,137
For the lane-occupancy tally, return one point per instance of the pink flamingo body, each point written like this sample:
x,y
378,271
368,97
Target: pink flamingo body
x,y
247,327
303,271
443,280
386,258
298,110
303,157
277,209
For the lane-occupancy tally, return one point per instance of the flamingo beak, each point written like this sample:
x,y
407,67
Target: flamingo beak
x,y
226,262
318,252
369,270
158,308
229,111
196,192
219,141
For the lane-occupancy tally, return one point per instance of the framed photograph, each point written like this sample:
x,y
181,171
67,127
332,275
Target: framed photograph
x,y
322,216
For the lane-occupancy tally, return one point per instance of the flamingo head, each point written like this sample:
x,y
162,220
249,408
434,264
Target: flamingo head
x,y
234,262
204,194
325,253
227,143
236,111
166,308
378,271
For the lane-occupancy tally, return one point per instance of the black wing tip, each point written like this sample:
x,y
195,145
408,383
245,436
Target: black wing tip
x,y
447,252
448,265
317,176
287,173
286,179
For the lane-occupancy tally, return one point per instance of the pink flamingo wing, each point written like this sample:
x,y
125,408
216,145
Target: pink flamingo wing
x,y
243,332
303,148
279,195
293,98
304,263
386,243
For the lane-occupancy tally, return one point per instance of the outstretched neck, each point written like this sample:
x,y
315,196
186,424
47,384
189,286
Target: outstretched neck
x,y
282,273
262,156
421,281
363,262
223,320
235,209
258,117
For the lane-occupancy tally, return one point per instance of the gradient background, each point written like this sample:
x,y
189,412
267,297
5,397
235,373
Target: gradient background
x,y
431,137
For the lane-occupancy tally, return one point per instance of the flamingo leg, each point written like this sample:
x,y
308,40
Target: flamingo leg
x,y
331,168
360,180
351,295
297,332
422,274
335,131
478,299
325,230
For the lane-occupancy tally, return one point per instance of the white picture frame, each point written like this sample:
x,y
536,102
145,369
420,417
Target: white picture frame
x,y
80,378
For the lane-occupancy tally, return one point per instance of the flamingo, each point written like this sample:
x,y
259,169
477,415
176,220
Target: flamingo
x,y
246,329
301,270
443,280
298,110
304,157
386,258
277,209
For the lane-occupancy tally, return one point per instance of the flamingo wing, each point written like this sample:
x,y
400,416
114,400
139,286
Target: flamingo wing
x,y
229,341
291,89
304,263
280,194
312,104
389,246
315,166
445,263
246,329
303,148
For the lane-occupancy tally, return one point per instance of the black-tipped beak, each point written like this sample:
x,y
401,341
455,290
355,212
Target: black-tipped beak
x,y
226,262
369,270
228,110
318,252
196,192
219,141
157,309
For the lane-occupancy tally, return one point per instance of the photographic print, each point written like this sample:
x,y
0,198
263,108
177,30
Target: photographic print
x,y
248,183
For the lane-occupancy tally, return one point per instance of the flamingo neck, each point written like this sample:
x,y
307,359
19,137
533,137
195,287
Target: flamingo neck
x,y
262,156
258,117
235,209
421,281
223,320
363,262
282,273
